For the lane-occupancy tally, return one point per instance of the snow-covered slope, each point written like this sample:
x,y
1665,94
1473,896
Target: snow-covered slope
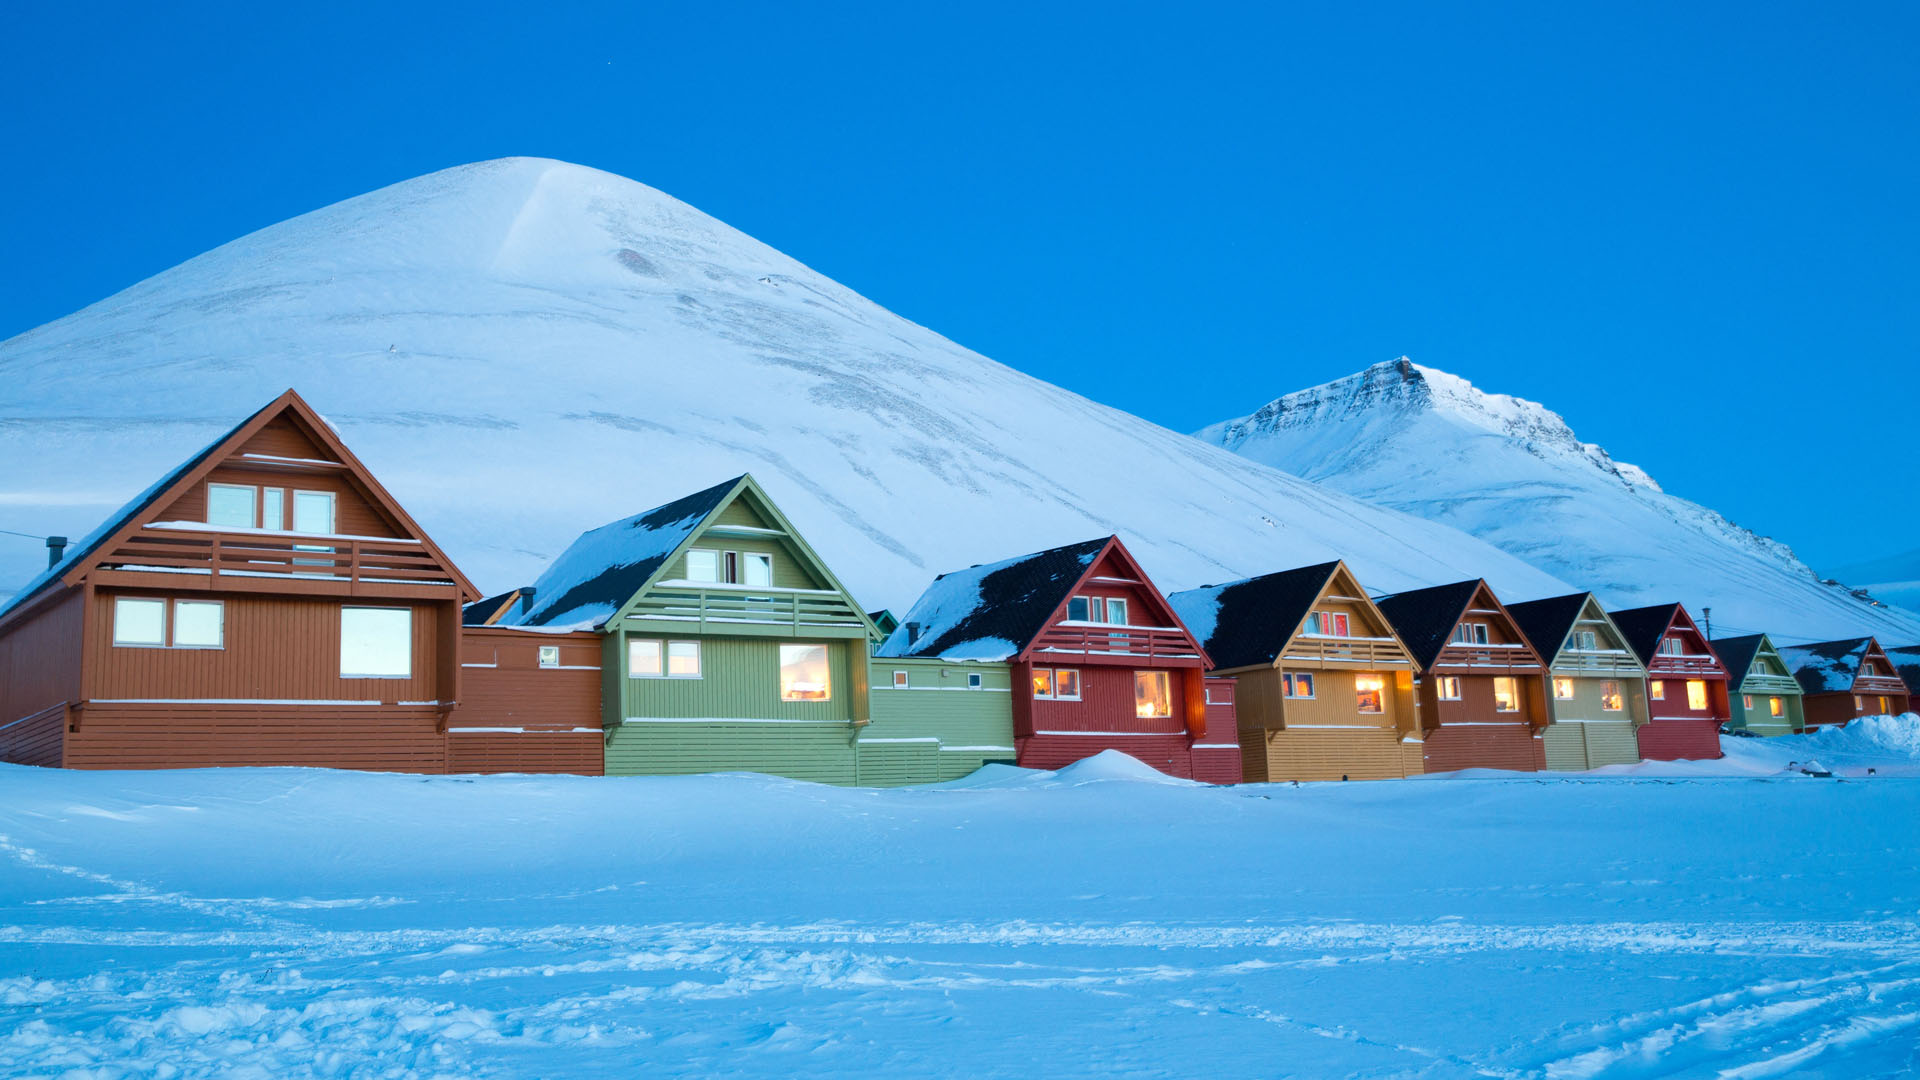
x,y
524,349
1513,473
1894,579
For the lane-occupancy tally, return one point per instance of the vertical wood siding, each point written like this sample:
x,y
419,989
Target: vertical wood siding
x,y
740,679
1584,735
1471,734
1663,739
40,659
503,684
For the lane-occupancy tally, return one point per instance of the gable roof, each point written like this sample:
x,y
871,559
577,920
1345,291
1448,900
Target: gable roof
x,y
1546,623
1737,655
995,610
1643,627
1906,661
81,557
1246,623
1827,667
1425,618
488,611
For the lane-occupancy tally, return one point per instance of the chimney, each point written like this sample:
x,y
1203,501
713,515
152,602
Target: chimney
x,y
56,550
913,634
526,601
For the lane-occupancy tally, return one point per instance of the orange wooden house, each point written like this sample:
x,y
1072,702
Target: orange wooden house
x,y
267,602
1480,695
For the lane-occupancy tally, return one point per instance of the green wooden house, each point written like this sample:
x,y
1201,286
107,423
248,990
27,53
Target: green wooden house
x,y
728,645
1596,688
1765,696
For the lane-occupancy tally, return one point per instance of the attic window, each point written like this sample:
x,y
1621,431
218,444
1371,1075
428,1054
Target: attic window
x,y
758,567
1672,646
232,505
703,565
1469,634
1327,624
1584,641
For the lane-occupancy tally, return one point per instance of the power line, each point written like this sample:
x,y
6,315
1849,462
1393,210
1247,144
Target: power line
x,y
30,536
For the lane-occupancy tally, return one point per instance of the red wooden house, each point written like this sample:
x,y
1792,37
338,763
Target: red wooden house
x,y
1099,659
1479,696
1845,680
265,603
1686,683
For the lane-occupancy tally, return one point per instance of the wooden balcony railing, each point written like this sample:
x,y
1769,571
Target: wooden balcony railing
x,y
1879,684
1487,656
1694,664
1606,662
1373,652
1119,644
235,555
716,610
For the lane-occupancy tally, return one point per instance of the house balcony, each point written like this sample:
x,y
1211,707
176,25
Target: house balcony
x,y
236,561
1487,658
1696,666
1140,646
1366,653
746,611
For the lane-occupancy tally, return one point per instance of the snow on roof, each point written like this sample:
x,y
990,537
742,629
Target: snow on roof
x,y
81,550
1827,667
1424,618
605,567
1246,623
478,612
993,611
1906,661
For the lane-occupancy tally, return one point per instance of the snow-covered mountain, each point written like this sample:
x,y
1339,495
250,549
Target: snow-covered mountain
x,y
1894,579
1514,474
523,349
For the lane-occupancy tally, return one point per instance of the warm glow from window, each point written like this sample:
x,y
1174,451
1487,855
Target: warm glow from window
x,y
1448,687
1506,694
1696,695
1658,690
1370,691
1152,697
1043,682
1563,689
1610,700
1066,684
1298,685
803,673
1328,624
1777,707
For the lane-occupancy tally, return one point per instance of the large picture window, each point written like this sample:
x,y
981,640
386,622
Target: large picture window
x,y
199,624
1776,707
376,643
1152,698
1696,695
139,622
1506,693
1369,692
231,506
1610,698
1296,684
803,673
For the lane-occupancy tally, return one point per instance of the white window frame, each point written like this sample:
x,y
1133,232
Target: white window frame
x,y
1571,689
1617,694
549,656
1061,695
1379,692
347,674
1513,695
902,681
220,624
1166,679
1470,633
333,512
1679,647
659,649
124,643
1585,641
704,553
1089,604
761,559
276,521
974,681
699,661
1440,684
1108,614
253,504
827,672
1333,624
1290,683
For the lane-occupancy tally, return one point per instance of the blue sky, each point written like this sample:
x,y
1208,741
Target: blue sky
x,y
1688,228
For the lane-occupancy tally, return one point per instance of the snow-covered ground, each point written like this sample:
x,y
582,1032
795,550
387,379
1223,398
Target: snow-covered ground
x,y
1100,921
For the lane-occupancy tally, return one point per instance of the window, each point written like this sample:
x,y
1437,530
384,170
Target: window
x,y
1506,693
683,659
703,565
376,643
1448,687
645,658
1696,695
1080,609
1043,682
231,505
313,512
1469,633
1776,707
1584,641
973,680
759,568
1886,705
1296,685
1657,690
1672,646
803,673
1151,697
199,624
1327,624
1746,701
1066,684
1217,695
1117,611
549,656
273,508
900,680
1859,703
1562,689
1369,691
139,622
1610,699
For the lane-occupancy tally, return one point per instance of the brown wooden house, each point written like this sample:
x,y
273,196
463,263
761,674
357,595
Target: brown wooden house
x,y
1325,688
1845,680
1479,695
1686,683
267,602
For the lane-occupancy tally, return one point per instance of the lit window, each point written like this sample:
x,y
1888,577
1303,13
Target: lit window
x,y
1370,691
703,565
1117,611
1066,684
1859,703
1448,687
198,624
1776,707
683,659
1080,609
1470,634
759,568
803,673
231,505
1298,685
549,656
1886,705
1657,690
313,512
273,508
645,658
899,680
1746,701
139,622
973,680
1506,693
1327,624
1151,697
1696,695
1043,682
1610,700
376,643
1562,689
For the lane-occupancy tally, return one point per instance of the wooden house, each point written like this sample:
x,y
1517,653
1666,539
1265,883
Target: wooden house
x,y
1844,680
726,644
1906,664
1596,687
1324,687
1478,694
1099,660
265,603
1763,698
1686,683
531,700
